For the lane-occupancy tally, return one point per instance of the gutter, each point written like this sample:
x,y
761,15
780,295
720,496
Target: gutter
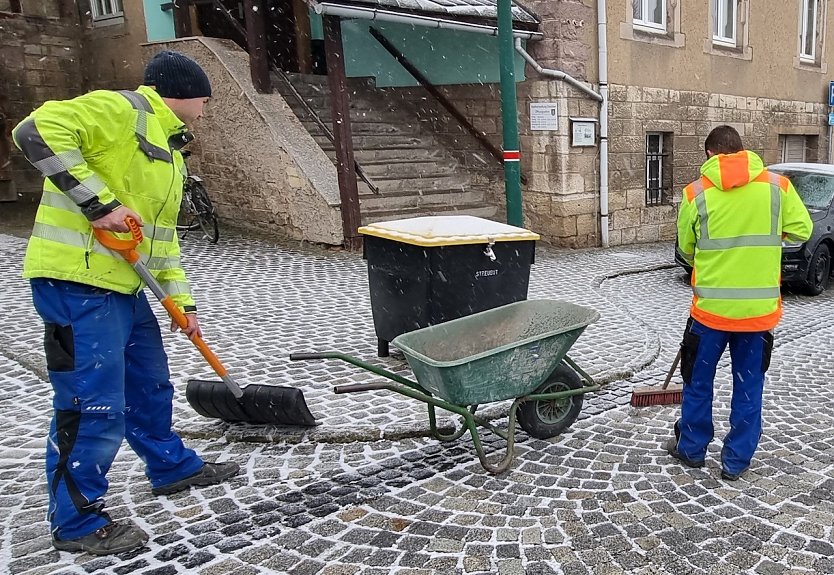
x,y
328,9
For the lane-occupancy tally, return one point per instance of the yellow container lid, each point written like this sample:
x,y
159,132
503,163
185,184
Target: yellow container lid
x,y
435,231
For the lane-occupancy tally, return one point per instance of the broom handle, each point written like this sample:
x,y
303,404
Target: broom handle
x,y
127,249
672,369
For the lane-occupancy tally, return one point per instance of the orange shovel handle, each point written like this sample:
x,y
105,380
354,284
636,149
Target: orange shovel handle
x,y
178,316
127,248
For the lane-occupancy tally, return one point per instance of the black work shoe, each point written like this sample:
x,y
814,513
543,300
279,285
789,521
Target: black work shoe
x,y
108,540
672,448
210,474
732,476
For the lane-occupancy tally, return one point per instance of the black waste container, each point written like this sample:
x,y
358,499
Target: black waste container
x,y
424,271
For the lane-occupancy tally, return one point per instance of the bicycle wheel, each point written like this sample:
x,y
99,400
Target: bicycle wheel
x,y
205,214
187,217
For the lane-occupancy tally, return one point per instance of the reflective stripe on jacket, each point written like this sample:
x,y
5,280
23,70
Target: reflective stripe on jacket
x,y
731,224
99,151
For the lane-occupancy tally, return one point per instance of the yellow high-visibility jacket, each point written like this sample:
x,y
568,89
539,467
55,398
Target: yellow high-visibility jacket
x,y
731,224
99,151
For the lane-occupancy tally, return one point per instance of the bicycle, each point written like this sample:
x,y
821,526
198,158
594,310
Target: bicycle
x,y
196,211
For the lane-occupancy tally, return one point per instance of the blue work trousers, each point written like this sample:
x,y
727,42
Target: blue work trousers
x,y
750,355
110,381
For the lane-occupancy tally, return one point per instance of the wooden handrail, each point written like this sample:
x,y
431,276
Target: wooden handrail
x,y
443,100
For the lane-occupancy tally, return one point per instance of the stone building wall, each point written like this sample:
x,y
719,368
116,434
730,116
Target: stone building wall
x,y
40,59
687,117
113,53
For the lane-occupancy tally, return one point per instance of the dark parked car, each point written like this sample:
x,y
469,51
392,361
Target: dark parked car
x,y
806,266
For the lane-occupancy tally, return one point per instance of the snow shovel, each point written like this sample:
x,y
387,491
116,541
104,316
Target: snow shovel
x,y
215,399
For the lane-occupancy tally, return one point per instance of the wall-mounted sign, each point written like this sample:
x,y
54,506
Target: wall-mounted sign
x,y
544,116
583,131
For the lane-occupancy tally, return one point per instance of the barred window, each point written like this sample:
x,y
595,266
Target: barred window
x,y
658,168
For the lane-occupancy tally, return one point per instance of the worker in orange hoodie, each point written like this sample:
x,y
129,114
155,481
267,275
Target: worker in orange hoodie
x,y
731,224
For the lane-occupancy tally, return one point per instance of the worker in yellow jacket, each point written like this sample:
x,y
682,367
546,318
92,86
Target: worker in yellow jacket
x,y
107,156
731,224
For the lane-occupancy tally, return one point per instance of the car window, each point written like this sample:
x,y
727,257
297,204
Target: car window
x,y
816,190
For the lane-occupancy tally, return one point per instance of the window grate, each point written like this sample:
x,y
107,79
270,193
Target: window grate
x,y
657,192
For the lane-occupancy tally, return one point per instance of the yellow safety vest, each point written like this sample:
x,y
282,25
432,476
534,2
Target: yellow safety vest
x,y
98,151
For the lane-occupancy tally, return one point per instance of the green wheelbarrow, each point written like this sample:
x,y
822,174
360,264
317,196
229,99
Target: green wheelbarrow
x,y
517,351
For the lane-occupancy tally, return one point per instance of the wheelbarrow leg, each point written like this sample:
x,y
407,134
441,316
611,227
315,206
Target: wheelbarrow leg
x,y
504,464
457,434
381,347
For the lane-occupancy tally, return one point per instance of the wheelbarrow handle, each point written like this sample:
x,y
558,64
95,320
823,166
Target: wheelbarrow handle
x,y
313,355
361,387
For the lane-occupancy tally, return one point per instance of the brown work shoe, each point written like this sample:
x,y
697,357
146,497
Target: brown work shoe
x,y
210,474
108,540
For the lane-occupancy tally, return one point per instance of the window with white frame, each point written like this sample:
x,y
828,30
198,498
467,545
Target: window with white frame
x,y
106,9
649,14
724,22
808,35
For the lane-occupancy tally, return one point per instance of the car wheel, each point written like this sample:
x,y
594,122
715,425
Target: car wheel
x,y
819,271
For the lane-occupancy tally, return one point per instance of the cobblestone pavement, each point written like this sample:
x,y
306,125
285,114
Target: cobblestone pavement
x,y
366,494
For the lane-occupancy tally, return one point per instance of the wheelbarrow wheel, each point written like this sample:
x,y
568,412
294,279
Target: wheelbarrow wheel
x,y
546,419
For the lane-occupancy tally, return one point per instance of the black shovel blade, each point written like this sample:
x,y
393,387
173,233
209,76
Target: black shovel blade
x,y
260,403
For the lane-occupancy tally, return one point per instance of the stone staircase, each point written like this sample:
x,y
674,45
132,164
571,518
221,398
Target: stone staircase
x,y
417,171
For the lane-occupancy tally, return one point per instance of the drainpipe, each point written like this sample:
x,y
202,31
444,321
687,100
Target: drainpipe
x,y
602,33
602,98
558,74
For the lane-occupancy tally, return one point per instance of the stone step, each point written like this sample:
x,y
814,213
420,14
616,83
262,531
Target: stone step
x,y
395,155
411,169
368,128
435,198
372,142
477,210
393,184
360,117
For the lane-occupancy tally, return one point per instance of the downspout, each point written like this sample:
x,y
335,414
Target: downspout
x,y
602,33
558,74
602,98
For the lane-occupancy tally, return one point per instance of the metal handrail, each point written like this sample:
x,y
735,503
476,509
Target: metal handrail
x,y
225,11
360,171
449,106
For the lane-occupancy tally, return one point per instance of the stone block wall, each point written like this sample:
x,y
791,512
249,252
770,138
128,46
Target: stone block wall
x,y
688,117
263,171
40,59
